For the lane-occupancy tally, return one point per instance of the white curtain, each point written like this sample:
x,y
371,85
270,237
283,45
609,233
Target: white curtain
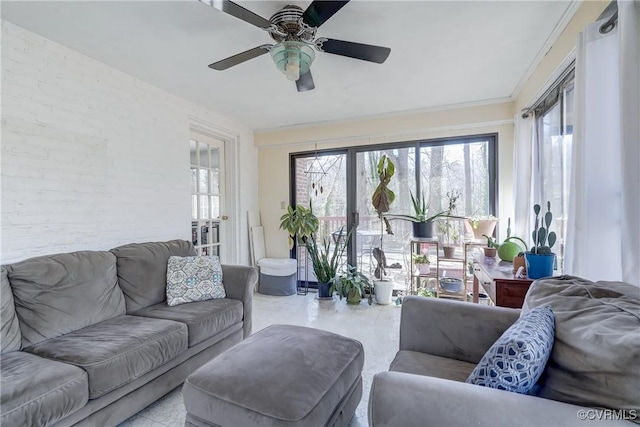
x,y
525,175
603,236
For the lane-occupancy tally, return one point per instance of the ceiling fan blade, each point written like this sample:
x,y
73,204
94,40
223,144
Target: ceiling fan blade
x,y
239,12
305,82
240,57
366,52
319,12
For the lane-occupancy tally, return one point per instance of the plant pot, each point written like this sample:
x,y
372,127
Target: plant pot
x,y
423,229
490,252
383,291
324,291
539,265
482,226
354,297
518,262
449,251
424,268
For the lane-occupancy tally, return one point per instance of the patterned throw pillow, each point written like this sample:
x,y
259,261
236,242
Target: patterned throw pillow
x,y
516,360
193,278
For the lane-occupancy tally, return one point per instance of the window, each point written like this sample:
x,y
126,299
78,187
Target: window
x,y
554,122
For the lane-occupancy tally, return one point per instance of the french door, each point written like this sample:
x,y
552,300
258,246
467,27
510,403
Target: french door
x,y
207,195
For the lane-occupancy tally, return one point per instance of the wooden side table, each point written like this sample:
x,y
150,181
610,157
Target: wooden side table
x,y
498,281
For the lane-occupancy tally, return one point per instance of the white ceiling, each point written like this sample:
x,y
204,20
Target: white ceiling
x,y
442,53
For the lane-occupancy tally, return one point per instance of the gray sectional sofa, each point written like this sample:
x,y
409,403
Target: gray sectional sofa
x,y
88,339
594,364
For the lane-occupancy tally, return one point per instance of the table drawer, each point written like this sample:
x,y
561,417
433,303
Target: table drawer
x,y
511,294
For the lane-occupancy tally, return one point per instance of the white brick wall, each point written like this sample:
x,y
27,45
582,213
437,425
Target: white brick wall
x,y
92,157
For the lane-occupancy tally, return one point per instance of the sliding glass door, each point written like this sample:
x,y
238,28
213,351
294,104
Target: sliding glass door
x,y
339,185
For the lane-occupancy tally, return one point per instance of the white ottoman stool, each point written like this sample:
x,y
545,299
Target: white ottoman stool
x,y
277,276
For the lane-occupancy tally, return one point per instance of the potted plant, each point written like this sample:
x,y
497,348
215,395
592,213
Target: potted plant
x,y
381,200
352,285
422,221
490,250
326,261
540,260
300,223
422,262
508,249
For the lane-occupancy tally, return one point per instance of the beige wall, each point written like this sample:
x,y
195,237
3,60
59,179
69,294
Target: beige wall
x,y
275,147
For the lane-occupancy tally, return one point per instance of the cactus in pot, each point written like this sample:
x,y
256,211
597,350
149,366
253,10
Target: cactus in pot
x,y
540,260
541,236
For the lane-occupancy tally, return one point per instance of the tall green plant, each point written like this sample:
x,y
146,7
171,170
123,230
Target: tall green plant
x,y
325,261
421,210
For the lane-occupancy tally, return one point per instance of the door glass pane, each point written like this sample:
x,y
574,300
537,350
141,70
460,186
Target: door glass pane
x,y
215,181
193,153
194,207
321,180
204,181
371,228
204,206
204,155
458,169
215,207
194,180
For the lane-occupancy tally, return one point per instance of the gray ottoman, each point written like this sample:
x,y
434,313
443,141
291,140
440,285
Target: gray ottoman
x,y
281,376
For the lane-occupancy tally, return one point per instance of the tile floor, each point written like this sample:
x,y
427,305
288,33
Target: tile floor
x,y
375,326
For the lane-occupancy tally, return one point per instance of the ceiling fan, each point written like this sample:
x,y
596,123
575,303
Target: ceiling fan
x,y
294,31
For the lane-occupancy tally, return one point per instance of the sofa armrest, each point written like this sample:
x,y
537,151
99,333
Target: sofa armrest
x,y
452,329
239,282
400,399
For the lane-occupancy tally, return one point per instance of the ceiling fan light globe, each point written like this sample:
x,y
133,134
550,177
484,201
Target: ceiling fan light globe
x,y
292,58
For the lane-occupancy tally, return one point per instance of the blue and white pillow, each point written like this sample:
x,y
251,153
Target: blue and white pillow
x,y
517,359
194,278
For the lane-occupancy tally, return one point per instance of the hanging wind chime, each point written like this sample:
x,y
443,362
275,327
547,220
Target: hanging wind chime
x,y
316,172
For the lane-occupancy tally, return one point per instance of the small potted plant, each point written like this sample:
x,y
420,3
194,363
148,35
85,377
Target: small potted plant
x,y
490,250
300,223
422,262
540,260
352,285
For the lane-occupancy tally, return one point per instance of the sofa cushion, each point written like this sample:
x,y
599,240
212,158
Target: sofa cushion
x,y
117,351
142,270
39,392
10,338
414,362
516,360
194,278
204,319
62,293
595,355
